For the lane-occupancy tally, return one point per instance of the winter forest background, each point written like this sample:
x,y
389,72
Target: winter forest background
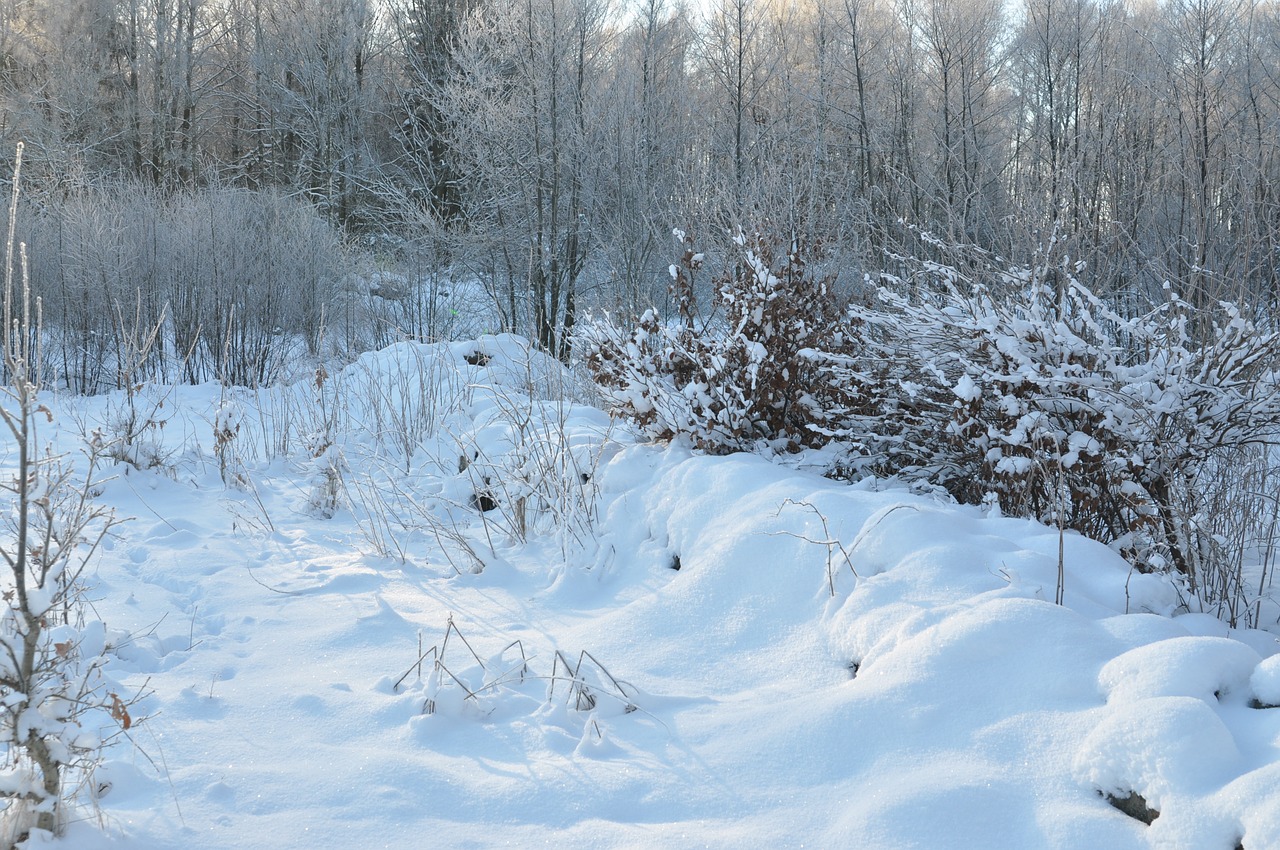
x,y
548,149
520,308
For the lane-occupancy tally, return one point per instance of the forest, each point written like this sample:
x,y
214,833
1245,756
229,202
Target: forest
x,y
841,371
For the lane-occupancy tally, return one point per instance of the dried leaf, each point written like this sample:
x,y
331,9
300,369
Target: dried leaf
x,y
120,713
63,649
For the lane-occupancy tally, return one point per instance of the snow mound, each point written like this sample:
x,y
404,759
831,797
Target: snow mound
x,y
1264,682
1206,668
1160,747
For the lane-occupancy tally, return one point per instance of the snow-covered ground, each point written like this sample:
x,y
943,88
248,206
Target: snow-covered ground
x,y
339,649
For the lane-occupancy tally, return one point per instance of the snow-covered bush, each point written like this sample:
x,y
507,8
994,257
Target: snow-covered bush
x,y
752,380
1003,384
1069,411
1025,392
327,464
226,429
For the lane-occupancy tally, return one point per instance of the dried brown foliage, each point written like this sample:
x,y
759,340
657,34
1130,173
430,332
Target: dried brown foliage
x,y
758,377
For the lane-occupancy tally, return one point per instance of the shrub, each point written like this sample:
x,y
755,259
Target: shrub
x,y
1070,412
754,378
1004,384
237,282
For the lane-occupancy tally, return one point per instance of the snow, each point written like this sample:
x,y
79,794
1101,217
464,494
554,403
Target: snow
x,y
966,389
829,666
1265,681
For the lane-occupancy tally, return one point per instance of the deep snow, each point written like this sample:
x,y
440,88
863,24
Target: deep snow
x,y
830,666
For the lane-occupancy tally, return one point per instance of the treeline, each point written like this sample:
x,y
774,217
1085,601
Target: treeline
x,y
548,147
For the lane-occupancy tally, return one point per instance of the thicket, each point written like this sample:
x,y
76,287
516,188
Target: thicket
x,y
230,284
1009,385
243,287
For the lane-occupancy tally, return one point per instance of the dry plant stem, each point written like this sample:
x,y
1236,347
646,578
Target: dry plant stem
x,y
262,517
584,697
385,509
574,675
541,476
377,522
831,543
405,406
451,534
1060,590
127,425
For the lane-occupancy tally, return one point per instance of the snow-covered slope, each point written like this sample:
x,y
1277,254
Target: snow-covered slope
x,y
829,666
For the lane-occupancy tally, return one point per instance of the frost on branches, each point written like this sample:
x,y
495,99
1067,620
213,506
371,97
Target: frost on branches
x,y
1071,412
753,380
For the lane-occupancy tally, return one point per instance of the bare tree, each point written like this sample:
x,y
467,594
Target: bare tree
x,y
648,141
427,33
521,107
960,43
738,63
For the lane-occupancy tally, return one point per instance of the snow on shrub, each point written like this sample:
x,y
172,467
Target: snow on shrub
x,y
751,381
1027,396
1069,411
1003,384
